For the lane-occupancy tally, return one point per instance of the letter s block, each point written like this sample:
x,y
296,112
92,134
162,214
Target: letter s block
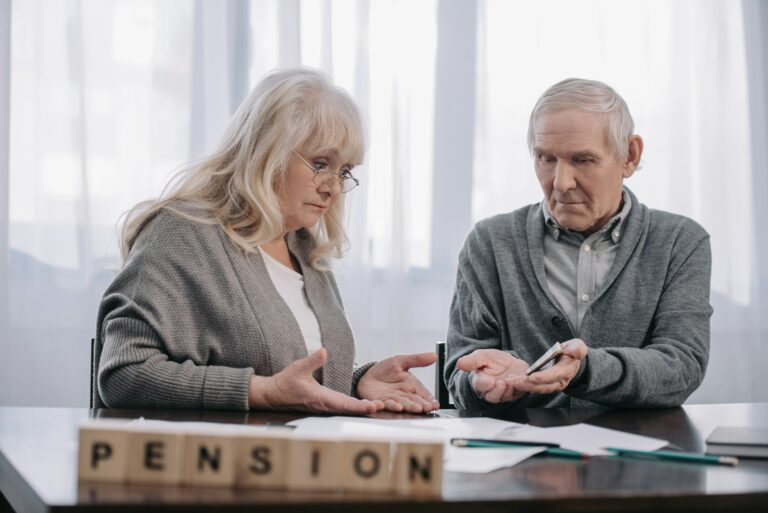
x,y
103,453
263,459
419,469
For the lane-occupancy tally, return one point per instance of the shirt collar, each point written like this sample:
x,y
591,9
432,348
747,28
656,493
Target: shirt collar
x,y
613,226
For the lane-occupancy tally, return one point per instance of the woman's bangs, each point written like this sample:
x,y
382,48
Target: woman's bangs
x,y
338,130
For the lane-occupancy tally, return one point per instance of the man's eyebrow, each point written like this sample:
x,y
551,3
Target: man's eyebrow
x,y
584,153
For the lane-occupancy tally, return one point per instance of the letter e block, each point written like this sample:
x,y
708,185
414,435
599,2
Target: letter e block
x,y
419,469
156,456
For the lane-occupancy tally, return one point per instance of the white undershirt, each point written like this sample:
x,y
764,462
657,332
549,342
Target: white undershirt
x,y
290,286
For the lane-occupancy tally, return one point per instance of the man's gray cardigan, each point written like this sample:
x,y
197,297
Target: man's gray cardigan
x,y
647,330
191,317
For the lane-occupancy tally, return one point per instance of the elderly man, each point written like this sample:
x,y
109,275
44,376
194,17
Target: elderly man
x,y
625,287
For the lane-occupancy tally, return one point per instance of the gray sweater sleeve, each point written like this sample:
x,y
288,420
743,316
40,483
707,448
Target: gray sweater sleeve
x,y
672,365
142,314
472,325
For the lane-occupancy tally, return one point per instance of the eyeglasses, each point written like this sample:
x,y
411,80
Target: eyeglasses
x,y
324,175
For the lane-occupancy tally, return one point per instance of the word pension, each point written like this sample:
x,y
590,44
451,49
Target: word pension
x,y
274,458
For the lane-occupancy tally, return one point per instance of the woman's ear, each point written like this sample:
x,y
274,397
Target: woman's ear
x,y
633,157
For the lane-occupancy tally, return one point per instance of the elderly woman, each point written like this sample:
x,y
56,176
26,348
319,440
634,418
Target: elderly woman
x,y
225,299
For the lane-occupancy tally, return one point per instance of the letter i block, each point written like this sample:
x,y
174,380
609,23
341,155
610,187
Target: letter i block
x,y
263,459
366,466
313,464
156,456
210,459
419,469
103,452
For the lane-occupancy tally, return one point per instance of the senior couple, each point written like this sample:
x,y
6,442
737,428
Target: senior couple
x,y
225,299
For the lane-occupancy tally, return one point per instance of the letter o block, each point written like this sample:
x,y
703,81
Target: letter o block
x,y
366,467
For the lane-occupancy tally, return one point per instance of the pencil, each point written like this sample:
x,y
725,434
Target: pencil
x,y
465,442
677,456
551,449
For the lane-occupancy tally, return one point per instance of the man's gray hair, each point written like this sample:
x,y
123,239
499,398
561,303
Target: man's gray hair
x,y
588,96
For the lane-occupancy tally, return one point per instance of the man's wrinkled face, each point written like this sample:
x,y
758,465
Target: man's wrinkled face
x,y
578,169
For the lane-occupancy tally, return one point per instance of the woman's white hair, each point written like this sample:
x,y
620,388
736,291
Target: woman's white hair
x,y
239,185
588,96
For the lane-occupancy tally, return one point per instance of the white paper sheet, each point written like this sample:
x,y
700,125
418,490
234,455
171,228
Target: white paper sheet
x,y
456,459
480,461
585,438
444,428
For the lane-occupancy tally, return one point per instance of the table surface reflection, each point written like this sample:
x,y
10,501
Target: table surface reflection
x,y
38,469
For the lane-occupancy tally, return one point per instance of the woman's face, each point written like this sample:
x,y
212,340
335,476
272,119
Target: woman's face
x,y
307,198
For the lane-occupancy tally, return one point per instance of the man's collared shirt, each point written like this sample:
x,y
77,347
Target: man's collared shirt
x,y
576,266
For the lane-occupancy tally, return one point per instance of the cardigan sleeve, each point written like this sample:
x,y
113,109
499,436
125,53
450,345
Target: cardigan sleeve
x,y
666,370
152,324
472,325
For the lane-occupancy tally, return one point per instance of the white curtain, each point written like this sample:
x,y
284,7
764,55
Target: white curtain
x,y
108,97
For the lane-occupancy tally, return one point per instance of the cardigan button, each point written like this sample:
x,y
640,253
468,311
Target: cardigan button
x,y
558,321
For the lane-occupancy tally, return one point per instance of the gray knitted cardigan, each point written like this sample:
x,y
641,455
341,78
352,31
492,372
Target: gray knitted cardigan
x,y
647,330
191,317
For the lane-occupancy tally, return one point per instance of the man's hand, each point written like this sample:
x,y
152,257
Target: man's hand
x,y
294,388
390,382
559,376
494,374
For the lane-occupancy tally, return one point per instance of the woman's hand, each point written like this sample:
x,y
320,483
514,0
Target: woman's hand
x,y
294,388
390,382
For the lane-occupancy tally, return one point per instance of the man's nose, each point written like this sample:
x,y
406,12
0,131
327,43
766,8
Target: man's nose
x,y
564,177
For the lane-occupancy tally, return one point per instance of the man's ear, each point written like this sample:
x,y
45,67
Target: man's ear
x,y
633,157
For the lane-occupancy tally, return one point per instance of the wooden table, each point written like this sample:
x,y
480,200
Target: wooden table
x,y
38,470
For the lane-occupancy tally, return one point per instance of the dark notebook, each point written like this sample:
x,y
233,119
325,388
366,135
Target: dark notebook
x,y
739,441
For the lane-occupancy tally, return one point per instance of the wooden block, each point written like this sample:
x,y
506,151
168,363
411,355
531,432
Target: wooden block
x,y
263,459
418,469
313,464
365,466
103,452
210,458
156,456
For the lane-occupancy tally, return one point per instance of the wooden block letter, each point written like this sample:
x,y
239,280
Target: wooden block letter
x,y
210,459
102,453
263,459
419,468
366,466
313,464
156,456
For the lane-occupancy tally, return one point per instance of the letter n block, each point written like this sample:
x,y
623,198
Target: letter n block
x,y
366,466
210,459
263,459
156,456
419,469
103,452
313,464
